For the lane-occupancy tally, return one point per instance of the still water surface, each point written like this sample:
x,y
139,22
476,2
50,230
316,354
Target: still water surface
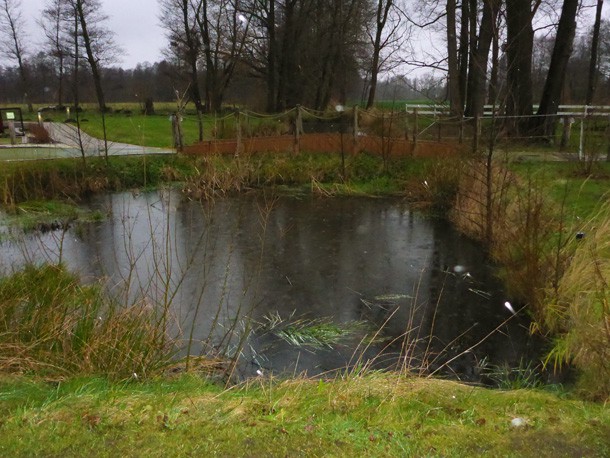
x,y
228,268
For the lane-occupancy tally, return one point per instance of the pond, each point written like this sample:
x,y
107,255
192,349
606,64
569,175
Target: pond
x,y
295,285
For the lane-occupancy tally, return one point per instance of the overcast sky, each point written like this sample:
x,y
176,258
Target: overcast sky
x,y
135,23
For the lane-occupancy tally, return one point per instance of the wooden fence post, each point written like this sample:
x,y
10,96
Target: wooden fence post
x,y
475,136
177,131
356,128
461,130
298,129
238,146
415,128
566,131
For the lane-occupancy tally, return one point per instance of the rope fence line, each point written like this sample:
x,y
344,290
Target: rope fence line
x,y
413,124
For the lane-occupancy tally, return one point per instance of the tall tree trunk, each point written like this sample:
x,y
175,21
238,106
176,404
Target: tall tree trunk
x,y
329,56
75,82
453,76
464,51
271,58
520,42
477,73
60,83
592,80
203,22
381,18
91,58
286,62
562,50
492,96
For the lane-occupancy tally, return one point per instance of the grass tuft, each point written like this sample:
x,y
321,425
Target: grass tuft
x,y
52,325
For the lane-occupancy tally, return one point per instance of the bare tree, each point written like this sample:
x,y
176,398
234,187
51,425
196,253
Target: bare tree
x,y
178,19
54,23
223,29
12,32
88,32
386,35
97,41
307,51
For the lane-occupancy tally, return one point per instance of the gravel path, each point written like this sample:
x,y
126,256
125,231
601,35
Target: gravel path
x,y
66,137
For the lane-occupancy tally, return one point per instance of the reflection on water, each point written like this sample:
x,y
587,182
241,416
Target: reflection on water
x,y
373,261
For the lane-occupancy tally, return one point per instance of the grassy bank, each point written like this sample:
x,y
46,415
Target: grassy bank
x,y
547,224
372,415
203,177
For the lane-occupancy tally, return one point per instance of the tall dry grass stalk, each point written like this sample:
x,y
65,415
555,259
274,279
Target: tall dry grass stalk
x,y
579,311
523,224
213,179
52,325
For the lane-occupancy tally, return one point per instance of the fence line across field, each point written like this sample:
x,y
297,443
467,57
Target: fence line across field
x,y
350,129
412,125
566,115
488,110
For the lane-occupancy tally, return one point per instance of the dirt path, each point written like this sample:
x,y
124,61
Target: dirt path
x,y
66,136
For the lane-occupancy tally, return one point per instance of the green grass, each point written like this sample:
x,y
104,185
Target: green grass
x,y
580,191
374,415
44,214
33,152
52,324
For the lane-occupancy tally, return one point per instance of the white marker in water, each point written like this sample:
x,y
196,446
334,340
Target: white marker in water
x,y
510,307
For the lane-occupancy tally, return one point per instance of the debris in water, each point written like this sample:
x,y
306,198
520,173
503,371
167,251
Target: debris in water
x,y
580,235
479,292
459,269
392,297
510,307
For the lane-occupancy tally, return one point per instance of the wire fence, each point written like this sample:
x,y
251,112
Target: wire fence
x,y
577,131
302,129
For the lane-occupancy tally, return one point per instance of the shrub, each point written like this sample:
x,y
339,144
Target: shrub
x,y
53,325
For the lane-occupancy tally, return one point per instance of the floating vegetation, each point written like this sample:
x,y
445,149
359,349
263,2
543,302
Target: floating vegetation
x,y
318,333
392,297
47,216
385,301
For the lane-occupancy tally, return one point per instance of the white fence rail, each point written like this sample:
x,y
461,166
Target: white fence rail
x,y
576,111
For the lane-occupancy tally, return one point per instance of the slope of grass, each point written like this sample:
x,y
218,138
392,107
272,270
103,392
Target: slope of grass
x,y
374,415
